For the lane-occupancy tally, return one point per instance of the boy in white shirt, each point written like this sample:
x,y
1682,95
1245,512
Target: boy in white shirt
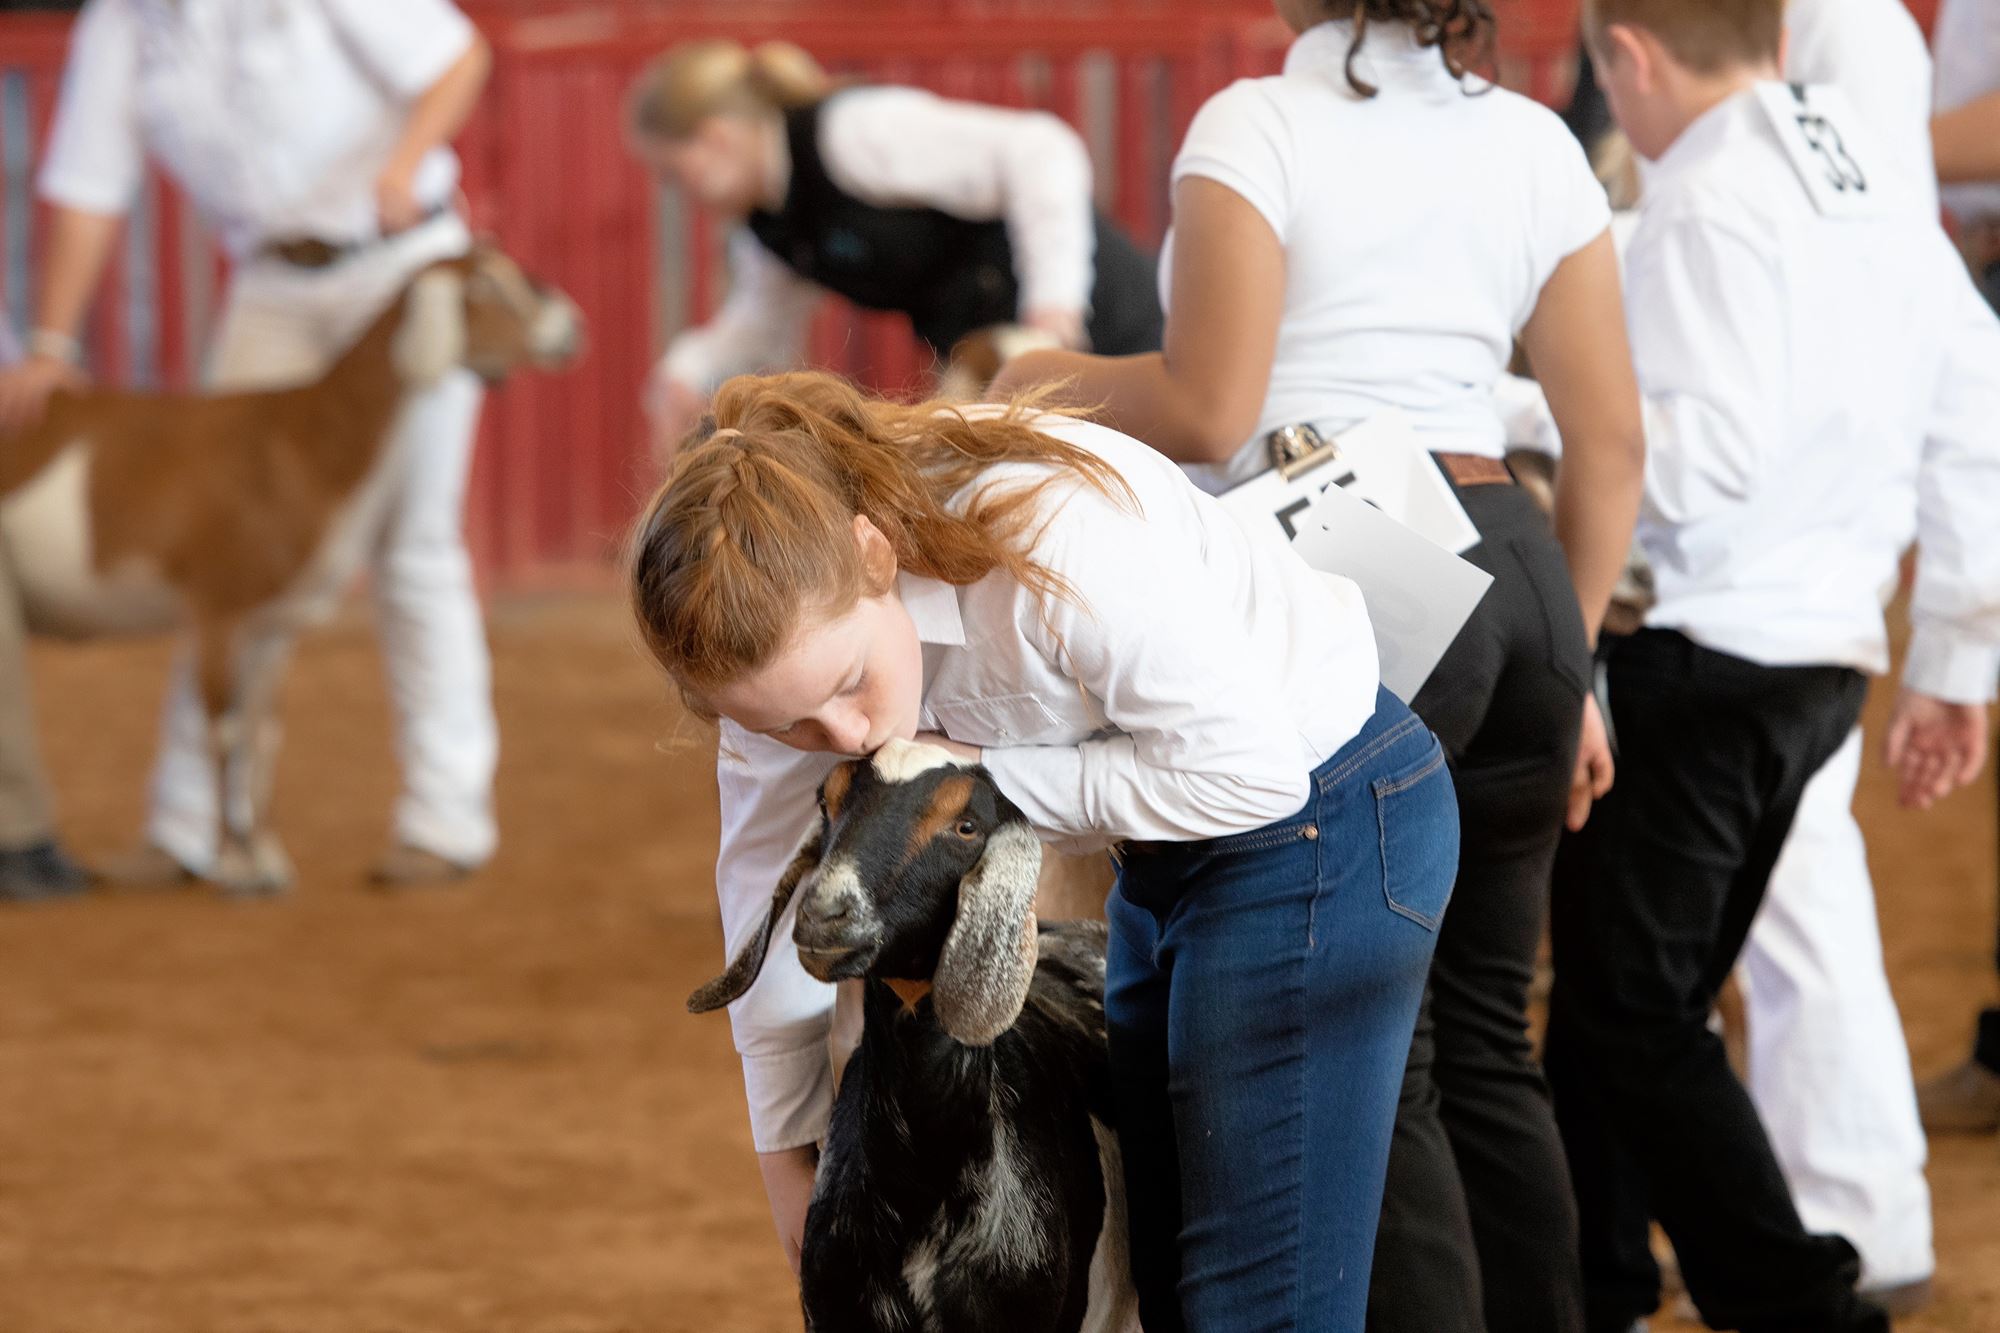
x,y
1818,379
1829,1067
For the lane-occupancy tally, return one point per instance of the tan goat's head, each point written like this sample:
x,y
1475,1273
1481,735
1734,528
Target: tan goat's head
x,y
483,312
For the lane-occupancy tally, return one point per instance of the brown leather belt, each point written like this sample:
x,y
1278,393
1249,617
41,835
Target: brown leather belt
x,y
1474,470
317,252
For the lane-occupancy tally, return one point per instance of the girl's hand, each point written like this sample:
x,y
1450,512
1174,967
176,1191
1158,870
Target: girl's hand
x,y
972,754
1594,769
396,206
788,1181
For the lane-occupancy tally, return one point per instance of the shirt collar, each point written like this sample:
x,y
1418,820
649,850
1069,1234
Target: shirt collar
x,y
933,608
1389,56
1704,137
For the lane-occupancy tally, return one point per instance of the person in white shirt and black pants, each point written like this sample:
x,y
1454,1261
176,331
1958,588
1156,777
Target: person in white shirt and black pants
x,y
959,215
1966,131
827,572
1820,385
1373,229
312,136
33,864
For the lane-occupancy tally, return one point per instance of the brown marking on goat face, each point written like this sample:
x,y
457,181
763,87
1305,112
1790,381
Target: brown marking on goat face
x,y
834,790
911,993
947,803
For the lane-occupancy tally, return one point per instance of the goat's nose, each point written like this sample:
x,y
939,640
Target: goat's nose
x,y
827,915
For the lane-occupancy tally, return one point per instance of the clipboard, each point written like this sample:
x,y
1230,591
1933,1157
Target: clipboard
x,y
1371,507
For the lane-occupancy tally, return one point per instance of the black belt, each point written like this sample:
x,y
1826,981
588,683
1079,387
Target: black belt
x,y
318,252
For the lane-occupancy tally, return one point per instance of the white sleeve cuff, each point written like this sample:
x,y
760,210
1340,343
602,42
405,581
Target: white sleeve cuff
x,y
791,1097
1057,285
1951,667
1045,781
108,193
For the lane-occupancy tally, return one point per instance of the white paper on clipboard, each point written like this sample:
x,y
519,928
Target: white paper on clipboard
x,y
1418,594
1383,462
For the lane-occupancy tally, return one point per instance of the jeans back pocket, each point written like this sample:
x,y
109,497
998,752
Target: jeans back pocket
x,y
1416,815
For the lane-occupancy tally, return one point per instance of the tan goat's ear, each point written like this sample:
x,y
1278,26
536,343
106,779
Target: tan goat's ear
x,y
989,957
432,337
749,961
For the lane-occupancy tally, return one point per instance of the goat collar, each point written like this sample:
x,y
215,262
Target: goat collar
x,y
911,993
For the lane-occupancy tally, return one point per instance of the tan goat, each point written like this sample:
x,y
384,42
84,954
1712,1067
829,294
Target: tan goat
x,y
244,516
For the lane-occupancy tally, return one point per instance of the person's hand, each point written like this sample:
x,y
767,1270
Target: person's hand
x,y
788,1181
1935,747
396,206
1594,769
1028,370
25,388
972,754
673,408
1065,326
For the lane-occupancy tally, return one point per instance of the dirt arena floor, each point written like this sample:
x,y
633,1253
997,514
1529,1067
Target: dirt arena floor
x,y
481,1109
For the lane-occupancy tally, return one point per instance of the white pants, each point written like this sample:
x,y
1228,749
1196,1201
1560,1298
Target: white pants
x,y
1829,1069
286,325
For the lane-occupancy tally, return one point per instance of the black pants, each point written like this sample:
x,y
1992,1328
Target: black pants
x,y
1478,1223
1125,313
1652,902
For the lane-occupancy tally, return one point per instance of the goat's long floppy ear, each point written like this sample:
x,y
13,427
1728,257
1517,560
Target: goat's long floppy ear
x,y
989,956
431,339
750,960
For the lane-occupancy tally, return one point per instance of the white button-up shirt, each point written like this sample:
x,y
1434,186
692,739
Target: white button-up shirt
x,y
276,118
1874,52
1205,674
906,148
1818,391
1418,227
1966,40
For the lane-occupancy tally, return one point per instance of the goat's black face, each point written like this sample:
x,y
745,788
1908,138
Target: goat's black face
x,y
900,831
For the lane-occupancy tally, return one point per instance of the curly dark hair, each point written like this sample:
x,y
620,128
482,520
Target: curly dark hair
x,y
1461,30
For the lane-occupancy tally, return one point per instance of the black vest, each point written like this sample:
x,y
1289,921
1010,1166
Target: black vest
x,y
950,276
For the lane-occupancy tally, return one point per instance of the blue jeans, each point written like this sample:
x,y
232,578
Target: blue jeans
x,y
1260,996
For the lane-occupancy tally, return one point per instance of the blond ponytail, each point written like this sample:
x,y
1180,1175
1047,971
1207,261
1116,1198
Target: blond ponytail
x,y
718,75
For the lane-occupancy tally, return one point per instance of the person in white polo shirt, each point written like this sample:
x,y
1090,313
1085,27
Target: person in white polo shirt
x,y
1373,229
312,137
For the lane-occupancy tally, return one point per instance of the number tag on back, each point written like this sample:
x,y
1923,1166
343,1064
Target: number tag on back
x,y
1815,123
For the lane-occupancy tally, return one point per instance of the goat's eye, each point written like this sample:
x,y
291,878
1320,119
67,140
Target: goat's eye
x,y
967,829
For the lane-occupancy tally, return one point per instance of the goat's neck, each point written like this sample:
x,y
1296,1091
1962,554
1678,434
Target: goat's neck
x,y
355,403
940,1087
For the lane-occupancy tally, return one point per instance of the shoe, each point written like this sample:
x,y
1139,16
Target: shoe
x,y
1965,1100
1905,1298
148,866
38,872
407,867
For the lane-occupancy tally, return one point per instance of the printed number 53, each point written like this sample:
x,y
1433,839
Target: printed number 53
x,y
1842,171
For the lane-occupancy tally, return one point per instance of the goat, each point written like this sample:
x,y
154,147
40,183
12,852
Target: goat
x,y
245,515
969,1180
